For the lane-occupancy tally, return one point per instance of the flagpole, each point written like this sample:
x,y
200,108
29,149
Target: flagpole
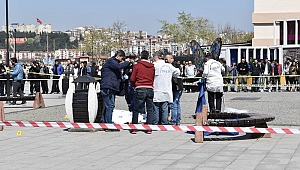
x,y
7,52
7,36
47,49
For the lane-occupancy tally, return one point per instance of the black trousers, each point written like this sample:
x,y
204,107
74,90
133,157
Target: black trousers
x,y
2,84
55,87
275,80
17,89
215,97
35,85
44,84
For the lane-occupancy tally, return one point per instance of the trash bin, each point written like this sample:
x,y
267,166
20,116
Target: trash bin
x,y
82,101
65,85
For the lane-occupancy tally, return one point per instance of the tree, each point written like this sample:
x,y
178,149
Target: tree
x,y
188,28
119,33
230,34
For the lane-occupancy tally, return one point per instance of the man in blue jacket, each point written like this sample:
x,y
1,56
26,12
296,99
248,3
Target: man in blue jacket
x,y
57,71
110,82
17,75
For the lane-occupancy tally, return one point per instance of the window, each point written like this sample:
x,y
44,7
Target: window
x,y
298,31
258,54
281,32
290,32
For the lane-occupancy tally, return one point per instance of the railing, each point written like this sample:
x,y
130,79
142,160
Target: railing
x,y
262,82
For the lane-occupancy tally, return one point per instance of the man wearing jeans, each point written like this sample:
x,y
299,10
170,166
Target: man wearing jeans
x,y
163,88
142,79
267,71
17,75
110,82
177,88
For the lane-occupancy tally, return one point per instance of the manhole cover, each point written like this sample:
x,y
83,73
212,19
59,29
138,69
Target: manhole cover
x,y
246,98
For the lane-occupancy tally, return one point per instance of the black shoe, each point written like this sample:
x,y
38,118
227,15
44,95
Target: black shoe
x,y
112,130
30,94
12,103
23,102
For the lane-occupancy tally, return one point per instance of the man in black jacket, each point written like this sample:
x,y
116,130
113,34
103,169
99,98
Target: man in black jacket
x,y
243,70
267,71
44,70
34,72
2,76
255,71
110,82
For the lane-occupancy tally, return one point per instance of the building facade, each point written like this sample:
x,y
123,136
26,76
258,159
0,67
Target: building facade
x,y
276,33
276,22
29,28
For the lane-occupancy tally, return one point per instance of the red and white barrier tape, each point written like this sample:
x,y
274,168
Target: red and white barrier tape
x,y
149,127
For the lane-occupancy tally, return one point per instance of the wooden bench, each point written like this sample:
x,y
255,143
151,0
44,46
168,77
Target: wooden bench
x,y
241,120
232,120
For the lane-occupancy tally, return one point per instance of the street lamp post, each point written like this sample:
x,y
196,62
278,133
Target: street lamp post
x,y
150,46
7,52
7,37
15,38
15,43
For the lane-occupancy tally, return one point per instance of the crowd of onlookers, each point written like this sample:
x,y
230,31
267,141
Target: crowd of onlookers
x,y
258,76
37,74
263,75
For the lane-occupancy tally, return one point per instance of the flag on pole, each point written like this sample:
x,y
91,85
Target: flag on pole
x,y
215,48
38,20
198,54
201,98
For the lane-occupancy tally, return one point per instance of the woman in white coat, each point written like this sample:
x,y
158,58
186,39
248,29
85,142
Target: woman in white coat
x,y
214,83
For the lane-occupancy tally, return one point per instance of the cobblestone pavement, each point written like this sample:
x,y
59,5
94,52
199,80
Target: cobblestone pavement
x,y
54,148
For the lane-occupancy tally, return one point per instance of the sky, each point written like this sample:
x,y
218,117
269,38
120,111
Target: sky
x,y
137,14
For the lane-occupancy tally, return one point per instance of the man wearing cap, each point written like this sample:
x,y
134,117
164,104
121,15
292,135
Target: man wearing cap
x,y
110,82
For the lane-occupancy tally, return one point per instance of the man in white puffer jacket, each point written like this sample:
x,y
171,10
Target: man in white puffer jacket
x,y
214,83
163,94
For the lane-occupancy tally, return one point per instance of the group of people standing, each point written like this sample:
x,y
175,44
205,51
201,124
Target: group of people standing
x,y
157,86
38,75
151,78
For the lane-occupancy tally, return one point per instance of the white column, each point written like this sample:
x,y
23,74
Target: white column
x,y
275,53
254,53
296,32
262,53
228,57
239,55
268,53
274,28
284,32
247,55
280,59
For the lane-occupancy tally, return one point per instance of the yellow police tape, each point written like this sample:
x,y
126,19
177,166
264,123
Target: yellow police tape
x,y
249,79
